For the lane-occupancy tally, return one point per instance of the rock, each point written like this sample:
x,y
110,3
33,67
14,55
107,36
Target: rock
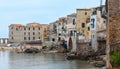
x,y
72,57
32,50
99,63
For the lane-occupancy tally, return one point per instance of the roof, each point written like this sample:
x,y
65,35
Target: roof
x,y
62,19
83,9
17,25
34,24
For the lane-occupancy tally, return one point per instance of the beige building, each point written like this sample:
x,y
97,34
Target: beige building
x,y
83,18
30,32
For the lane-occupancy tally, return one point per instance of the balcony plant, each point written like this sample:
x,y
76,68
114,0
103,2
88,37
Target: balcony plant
x,y
115,59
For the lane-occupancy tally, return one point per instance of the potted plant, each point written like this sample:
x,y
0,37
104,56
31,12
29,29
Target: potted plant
x,y
115,59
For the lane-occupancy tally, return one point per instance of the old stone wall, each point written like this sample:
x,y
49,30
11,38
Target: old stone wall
x,y
114,20
84,49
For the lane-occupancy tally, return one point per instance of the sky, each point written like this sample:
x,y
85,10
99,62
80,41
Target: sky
x,y
41,11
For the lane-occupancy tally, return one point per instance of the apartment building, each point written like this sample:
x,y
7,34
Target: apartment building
x,y
83,18
30,32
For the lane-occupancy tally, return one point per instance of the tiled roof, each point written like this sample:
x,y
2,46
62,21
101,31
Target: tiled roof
x,y
35,24
17,25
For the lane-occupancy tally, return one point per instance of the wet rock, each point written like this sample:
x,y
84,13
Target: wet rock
x,y
99,63
32,50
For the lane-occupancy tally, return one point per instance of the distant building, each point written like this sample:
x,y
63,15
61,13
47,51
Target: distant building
x,y
71,32
4,40
30,32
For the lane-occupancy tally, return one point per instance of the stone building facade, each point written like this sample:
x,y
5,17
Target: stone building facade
x,y
83,18
30,32
113,21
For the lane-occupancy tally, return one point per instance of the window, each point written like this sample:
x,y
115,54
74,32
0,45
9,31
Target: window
x,y
11,27
33,28
71,33
24,38
12,38
33,38
53,39
94,13
28,38
59,34
33,33
29,28
73,21
85,13
104,21
16,28
39,28
59,23
83,25
24,28
88,28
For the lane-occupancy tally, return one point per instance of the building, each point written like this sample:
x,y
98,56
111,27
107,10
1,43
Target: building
x,y
98,26
71,32
83,18
30,32
4,40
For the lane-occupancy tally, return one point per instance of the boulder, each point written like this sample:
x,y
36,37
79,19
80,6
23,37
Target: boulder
x,y
32,50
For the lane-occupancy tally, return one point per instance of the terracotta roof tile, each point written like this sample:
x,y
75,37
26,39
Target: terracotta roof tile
x,y
17,25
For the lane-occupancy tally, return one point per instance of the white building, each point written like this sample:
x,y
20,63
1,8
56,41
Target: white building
x,y
98,23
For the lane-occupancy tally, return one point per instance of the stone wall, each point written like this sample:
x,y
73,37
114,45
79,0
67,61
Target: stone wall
x,y
114,20
84,50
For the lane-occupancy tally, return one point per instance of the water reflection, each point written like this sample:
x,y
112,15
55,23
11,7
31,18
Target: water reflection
x,y
13,60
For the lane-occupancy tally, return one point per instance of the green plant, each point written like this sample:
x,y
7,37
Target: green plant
x,y
115,58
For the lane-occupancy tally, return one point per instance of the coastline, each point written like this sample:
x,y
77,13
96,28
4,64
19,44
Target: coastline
x,y
3,47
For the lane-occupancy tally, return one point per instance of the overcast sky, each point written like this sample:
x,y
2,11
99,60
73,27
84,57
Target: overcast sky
x,y
41,11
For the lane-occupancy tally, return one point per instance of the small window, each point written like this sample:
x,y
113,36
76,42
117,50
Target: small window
x,y
104,21
16,28
88,28
12,38
29,28
28,38
33,38
33,33
39,28
71,33
73,21
53,39
59,34
83,25
11,27
24,38
85,13
24,28
59,23
33,28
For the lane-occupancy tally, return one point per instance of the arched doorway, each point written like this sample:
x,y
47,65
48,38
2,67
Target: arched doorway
x,y
70,44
